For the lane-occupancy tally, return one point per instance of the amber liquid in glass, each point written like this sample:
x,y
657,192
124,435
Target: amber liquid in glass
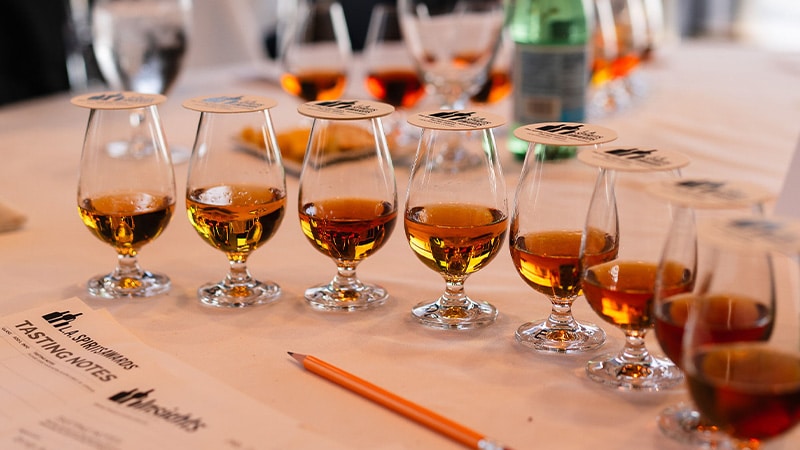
x,y
315,85
455,239
398,87
127,221
236,219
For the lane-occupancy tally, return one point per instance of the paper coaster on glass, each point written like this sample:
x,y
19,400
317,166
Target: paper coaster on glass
x,y
229,103
345,109
634,159
456,120
117,100
705,193
776,234
571,134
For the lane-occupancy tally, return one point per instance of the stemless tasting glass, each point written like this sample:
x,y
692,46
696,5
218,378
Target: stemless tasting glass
x,y
348,197
315,51
140,45
746,385
235,201
455,222
621,291
546,232
453,44
125,202
696,198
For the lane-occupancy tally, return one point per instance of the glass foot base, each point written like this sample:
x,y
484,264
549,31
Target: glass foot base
x,y
326,298
240,296
473,315
147,285
540,337
685,425
654,375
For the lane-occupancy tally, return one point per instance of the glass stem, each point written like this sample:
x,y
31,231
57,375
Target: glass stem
x,y
127,267
345,279
238,275
561,314
454,295
634,352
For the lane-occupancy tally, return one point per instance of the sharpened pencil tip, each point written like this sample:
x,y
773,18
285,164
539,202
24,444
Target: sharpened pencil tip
x,y
299,357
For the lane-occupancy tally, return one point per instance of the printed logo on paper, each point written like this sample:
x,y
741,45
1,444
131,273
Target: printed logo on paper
x,y
565,133
456,120
229,103
141,400
345,109
705,193
117,100
634,159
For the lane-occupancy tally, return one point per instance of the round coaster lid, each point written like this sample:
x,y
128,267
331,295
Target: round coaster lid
x,y
117,100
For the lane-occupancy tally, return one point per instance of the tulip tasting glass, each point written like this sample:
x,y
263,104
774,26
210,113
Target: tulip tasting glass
x,y
697,199
127,201
621,291
456,220
348,197
546,233
235,201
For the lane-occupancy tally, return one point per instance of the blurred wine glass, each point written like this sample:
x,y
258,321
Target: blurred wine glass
x,y
235,201
743,376
315,51
498,82
453,44
455,222
140,45
391,77
125,202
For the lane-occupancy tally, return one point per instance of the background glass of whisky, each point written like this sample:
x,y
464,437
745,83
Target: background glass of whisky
x,y
390,76
453,45
621,291
235,201
315,51
742,377
348,197
126,200
545,241
455,221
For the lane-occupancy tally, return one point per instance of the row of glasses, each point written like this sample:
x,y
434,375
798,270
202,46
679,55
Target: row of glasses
x,y
713,306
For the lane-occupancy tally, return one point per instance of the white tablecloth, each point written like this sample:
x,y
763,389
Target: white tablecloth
x,y
734,111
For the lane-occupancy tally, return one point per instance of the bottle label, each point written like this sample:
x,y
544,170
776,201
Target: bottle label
x,y
550,83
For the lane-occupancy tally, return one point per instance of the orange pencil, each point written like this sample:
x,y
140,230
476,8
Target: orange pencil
x,y
417,413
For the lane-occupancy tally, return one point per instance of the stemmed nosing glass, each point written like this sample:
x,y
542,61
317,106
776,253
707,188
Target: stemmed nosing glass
x,y
235,200
314,50
125,202
141,45
348,200
455,222
741,365
453,44
700,199
621,291
546,231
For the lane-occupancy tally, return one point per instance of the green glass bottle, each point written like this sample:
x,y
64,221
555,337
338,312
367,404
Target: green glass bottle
x,y
551,66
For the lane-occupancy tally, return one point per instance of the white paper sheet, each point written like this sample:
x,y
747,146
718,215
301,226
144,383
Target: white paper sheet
x,y
72,377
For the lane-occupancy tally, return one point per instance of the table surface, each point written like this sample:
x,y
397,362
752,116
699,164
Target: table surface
x,y
733,110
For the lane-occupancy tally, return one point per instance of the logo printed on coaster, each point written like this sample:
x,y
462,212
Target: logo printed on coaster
x,y
633,159
748,233
704,193
345,109
229,103
117,100
456,120
565,133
